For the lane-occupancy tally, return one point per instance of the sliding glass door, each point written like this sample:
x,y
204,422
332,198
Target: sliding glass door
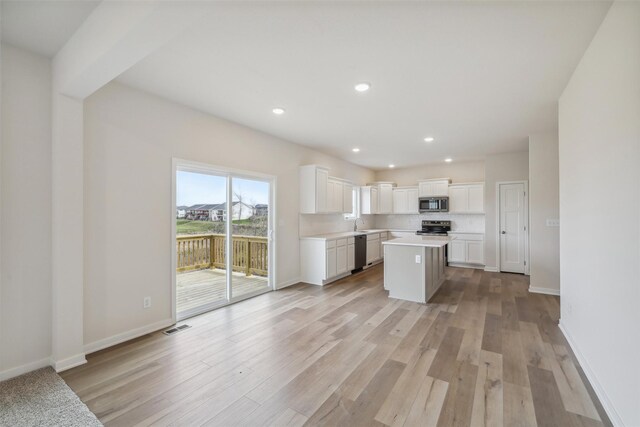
x,y
223,223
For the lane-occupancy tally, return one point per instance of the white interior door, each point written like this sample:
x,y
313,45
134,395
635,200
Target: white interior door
x,y
512,228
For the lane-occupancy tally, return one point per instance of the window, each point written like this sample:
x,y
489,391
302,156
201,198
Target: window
x,y
355,213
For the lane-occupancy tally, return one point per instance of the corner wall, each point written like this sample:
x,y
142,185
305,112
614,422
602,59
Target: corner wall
x,y
544,203
25,220
599,134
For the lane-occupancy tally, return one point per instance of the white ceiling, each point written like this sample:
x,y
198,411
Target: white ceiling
x,y
43,26
478,76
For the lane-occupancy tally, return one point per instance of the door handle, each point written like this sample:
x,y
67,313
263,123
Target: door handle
x,y
504,232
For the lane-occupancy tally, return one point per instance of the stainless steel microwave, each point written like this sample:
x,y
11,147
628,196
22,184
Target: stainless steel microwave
x,y
433,204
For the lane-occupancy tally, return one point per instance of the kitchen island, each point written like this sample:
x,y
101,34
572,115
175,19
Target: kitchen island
x,y
414,267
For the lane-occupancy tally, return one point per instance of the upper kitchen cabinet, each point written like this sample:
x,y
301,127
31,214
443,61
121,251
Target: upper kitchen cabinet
x,y
377,198
466,198
433,187
405,200
369,199
314,181
320,193
385,197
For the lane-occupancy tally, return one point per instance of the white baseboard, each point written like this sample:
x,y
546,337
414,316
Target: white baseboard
x,y
593,380
126,336
491,269
23,369
288,283
69,362
546,291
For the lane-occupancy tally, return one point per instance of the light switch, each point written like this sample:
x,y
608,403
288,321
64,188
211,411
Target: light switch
x,y
418,259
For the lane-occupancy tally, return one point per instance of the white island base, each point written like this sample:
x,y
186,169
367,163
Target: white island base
x,y
414,267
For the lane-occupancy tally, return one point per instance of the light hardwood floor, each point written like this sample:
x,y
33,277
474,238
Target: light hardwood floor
x,y
485,352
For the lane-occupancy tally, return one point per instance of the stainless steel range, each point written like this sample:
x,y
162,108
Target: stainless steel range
x,y
434,228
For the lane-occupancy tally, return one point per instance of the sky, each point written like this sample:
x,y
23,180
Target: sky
x,y
196,188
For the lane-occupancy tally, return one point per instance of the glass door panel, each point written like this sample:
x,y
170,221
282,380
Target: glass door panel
x,y
201,229
250,229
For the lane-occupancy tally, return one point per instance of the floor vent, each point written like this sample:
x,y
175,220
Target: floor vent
x,y
176,329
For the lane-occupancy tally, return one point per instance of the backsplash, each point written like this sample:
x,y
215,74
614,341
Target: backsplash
x,y
459,222
311,224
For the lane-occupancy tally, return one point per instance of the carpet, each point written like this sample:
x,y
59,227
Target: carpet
x,y
42,398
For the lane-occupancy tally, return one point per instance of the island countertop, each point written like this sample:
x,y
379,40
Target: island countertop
x,y
417,240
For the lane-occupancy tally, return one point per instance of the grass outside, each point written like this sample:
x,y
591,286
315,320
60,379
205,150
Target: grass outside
x,y
248,227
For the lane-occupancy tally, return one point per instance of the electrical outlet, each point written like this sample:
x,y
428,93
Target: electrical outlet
x,y
553,223
146,302
418,259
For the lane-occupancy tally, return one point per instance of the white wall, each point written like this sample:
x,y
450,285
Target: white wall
x,y
499,168
599,133
457,171
544,203
25,278
130,139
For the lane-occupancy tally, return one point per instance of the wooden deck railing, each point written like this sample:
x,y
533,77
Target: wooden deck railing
x,y
199,251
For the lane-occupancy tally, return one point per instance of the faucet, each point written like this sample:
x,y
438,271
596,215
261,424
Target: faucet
x,y
355,224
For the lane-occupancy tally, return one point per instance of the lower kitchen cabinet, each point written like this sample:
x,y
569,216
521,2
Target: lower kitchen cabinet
x,y
466,249
323,261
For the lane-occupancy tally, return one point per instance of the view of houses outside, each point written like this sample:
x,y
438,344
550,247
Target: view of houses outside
x,y
208,214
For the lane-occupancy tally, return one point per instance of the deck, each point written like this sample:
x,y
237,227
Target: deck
x,y
196,288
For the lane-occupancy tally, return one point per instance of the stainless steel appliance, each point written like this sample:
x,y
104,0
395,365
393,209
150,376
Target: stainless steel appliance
x,y
436,228
361,251
433,204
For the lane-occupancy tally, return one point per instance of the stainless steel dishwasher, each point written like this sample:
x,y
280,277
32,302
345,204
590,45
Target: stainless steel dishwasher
x,y
361,252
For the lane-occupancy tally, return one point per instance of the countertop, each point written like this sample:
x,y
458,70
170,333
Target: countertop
x,y
331,236
426,241
465,232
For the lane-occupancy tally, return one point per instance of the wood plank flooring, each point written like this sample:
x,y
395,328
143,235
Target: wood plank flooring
x,y
201,287
484,352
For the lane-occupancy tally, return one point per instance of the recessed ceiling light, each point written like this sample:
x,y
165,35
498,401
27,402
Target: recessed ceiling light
x,y
279,111
429,139
392,166
362,87
448,160
355,150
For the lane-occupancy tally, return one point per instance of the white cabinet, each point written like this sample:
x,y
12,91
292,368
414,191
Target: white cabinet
x,y
433,187
399,200
385,198
466,198
466,248
412,200
369,200
405,200
347,197
324,261
373,248
332,263
457,251
334,195
321,193
475,252
341,259
313,189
